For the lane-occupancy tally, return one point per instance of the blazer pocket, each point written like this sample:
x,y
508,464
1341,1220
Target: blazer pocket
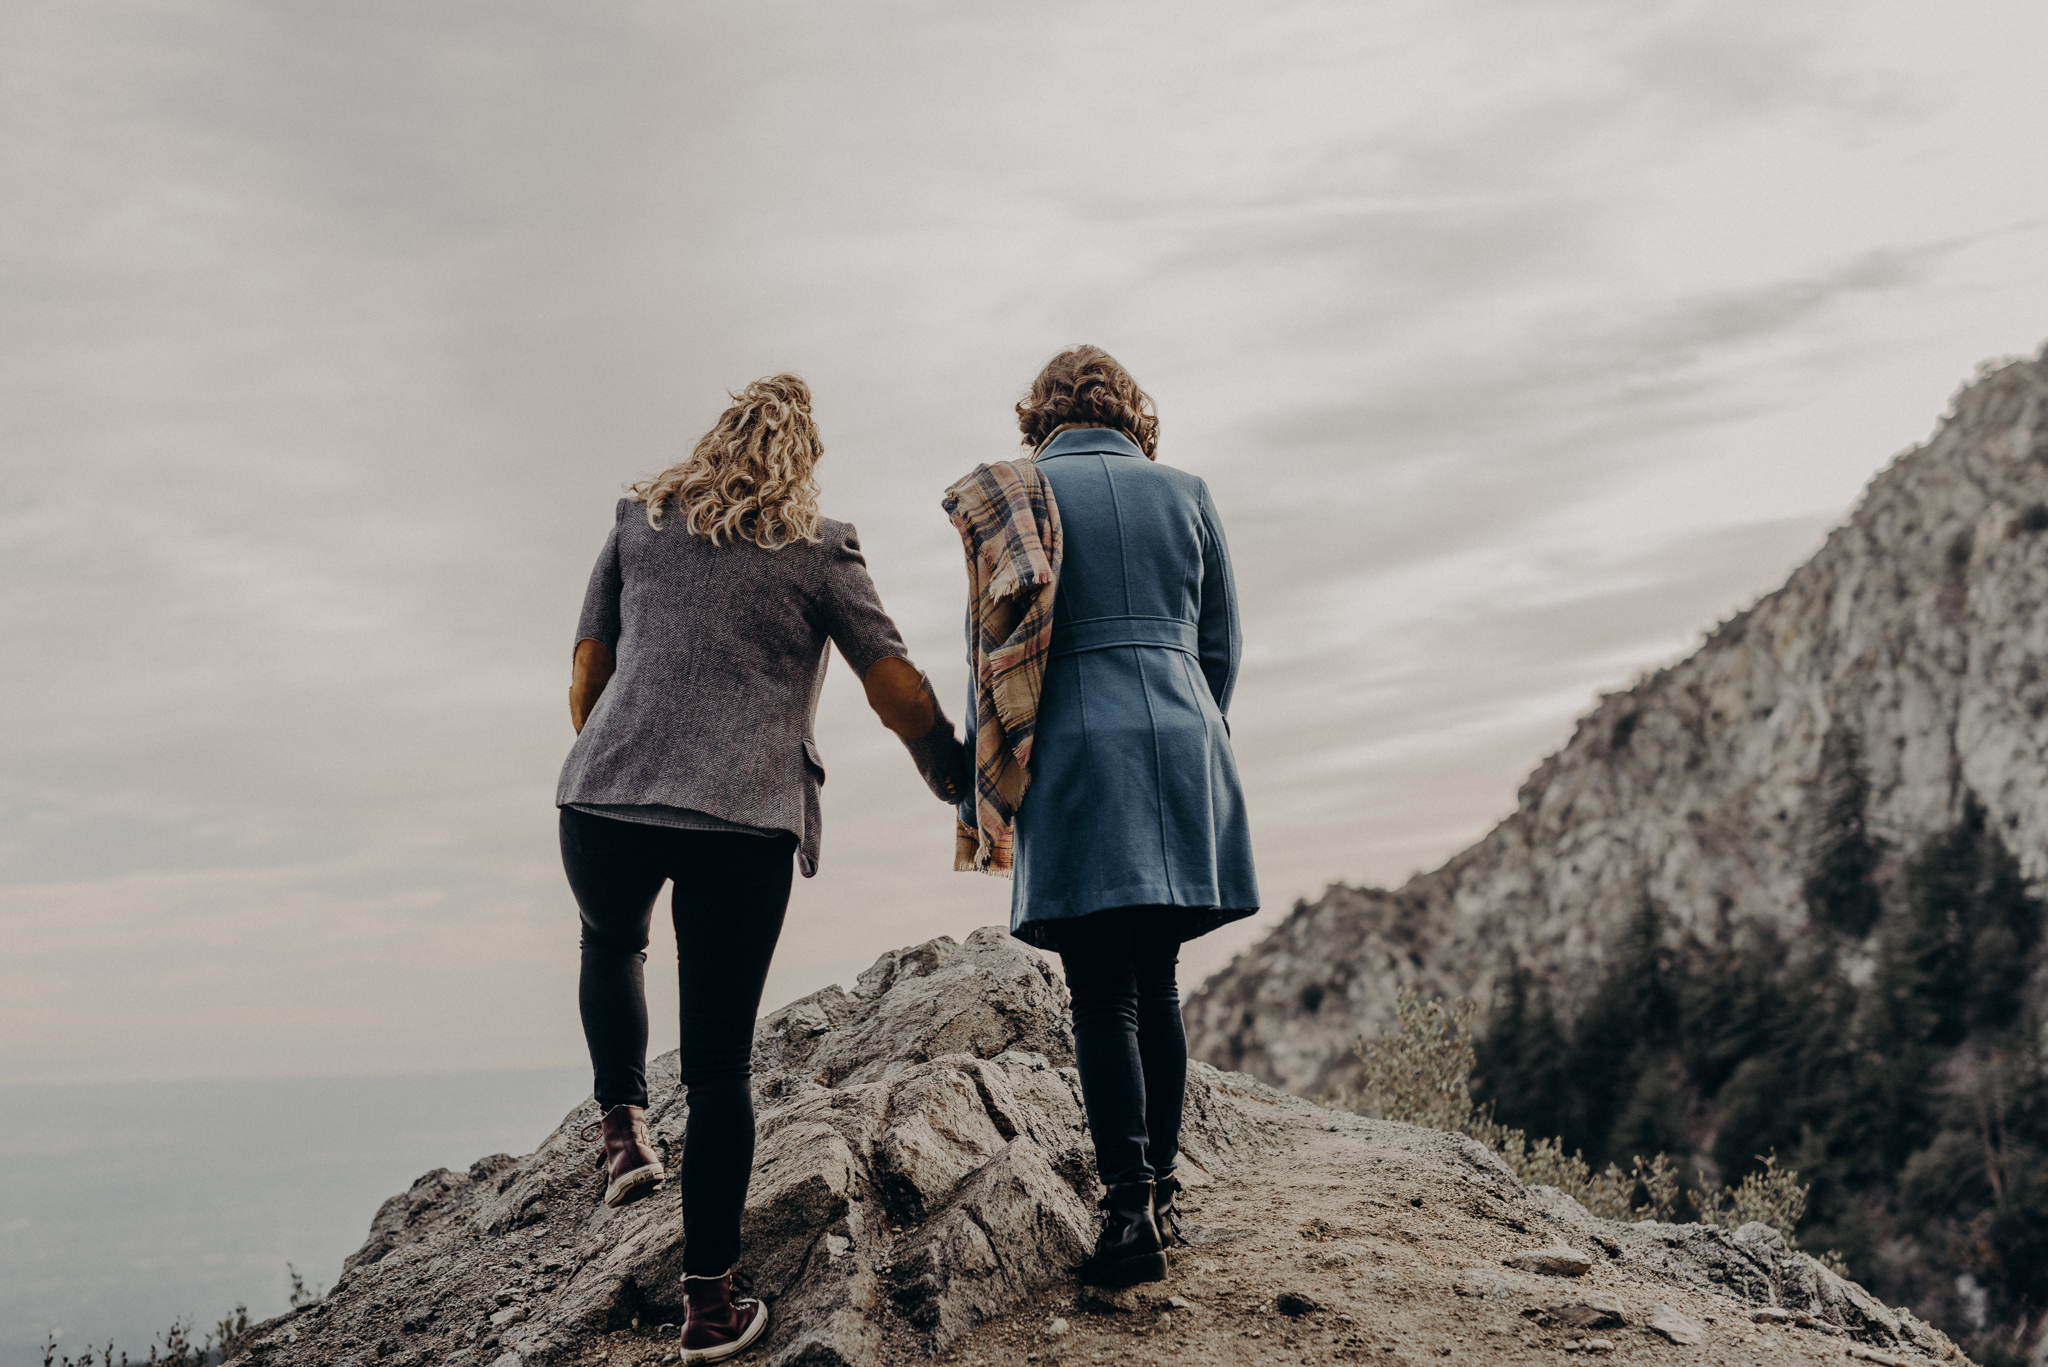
x,y
811,758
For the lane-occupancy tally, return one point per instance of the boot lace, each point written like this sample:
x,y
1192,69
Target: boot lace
x,y
1169,1222
737,1283
596,1127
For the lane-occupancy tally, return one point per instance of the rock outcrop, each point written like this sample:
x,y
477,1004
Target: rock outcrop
x,y
922,1164
1908,657
923,1170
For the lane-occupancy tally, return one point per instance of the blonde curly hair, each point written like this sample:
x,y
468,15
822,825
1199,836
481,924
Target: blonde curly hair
x,y
751,474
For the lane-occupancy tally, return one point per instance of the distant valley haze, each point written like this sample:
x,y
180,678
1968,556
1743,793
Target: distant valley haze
x,y
1519,343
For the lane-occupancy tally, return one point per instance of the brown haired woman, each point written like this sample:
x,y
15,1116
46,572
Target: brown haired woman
x,y
1132,837
699,659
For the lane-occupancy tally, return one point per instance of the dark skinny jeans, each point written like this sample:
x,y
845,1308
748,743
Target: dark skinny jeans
x,y
1128,1042
731,892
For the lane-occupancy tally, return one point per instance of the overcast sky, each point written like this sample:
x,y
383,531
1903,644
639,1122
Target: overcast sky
x,y
1519,342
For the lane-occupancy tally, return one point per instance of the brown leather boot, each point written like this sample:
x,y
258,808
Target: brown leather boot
x,y
716,1325
631,1165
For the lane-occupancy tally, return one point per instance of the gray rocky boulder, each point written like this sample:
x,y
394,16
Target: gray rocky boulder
x,y
1753,1265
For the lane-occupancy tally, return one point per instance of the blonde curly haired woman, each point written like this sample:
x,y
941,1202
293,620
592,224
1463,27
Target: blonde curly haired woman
x,y
699,659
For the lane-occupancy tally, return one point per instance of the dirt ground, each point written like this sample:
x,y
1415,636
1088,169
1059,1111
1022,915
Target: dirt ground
x,y
1342,1249
1397,1268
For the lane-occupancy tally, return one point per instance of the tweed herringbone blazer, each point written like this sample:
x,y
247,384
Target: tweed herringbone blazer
x,y
721,657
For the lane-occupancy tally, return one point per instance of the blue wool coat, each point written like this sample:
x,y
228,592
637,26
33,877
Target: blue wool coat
x,y
1134,796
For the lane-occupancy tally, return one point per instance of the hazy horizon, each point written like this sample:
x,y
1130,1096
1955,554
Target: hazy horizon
x,y
172,1213
1519,343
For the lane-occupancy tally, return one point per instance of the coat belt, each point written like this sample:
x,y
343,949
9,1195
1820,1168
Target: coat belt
x,y
1105,633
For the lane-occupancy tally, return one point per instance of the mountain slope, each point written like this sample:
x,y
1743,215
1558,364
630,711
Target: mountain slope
x,y
1782,897
1854,713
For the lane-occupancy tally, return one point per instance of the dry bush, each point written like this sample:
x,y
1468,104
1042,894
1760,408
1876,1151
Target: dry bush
x,y
176,1348
1769,1197
1612,1194
1419,1070
302,1294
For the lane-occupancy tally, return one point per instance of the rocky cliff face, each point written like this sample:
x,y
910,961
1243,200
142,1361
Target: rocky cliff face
x,y
1897,676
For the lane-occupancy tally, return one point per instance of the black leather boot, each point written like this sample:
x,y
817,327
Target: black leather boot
x,y
1164,1216
1128,1251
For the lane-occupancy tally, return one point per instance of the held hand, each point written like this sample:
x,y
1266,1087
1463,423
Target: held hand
x,y
942,761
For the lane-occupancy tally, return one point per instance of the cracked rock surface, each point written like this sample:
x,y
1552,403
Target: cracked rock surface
x,y
923,1180
922,1164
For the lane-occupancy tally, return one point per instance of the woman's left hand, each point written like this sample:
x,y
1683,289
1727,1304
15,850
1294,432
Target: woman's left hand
x,y
942,761
903,698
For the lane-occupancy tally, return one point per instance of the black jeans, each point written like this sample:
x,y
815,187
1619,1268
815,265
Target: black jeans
x,y
731,892
1128,1042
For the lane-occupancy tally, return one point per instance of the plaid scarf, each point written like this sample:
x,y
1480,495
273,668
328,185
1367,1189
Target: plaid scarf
x,y
1010,528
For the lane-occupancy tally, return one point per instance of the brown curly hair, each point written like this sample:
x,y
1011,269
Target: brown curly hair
x,y
1084,386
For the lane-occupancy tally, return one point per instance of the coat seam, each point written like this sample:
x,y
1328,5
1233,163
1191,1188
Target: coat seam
x,y
1158,769
1081,698
1123,550
1198,686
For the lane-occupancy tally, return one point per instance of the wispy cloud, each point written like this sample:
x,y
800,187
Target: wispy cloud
x,y
1518,341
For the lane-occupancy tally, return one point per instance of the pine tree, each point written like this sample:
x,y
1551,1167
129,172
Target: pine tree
x,y
1840,887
